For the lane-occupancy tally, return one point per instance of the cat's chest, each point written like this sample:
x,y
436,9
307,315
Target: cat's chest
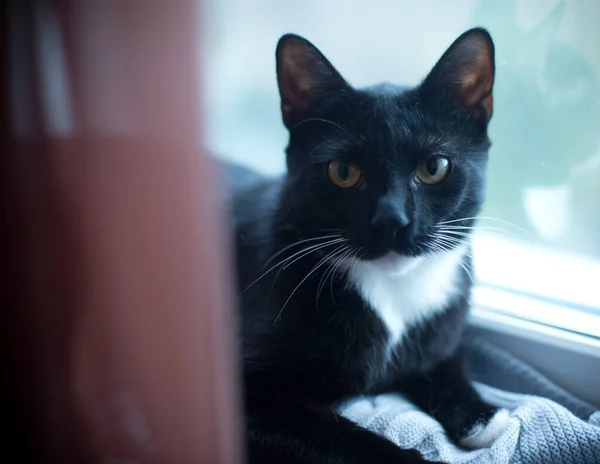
x,y
406,294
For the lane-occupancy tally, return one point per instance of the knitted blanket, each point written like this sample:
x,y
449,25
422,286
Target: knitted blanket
x,y
548,426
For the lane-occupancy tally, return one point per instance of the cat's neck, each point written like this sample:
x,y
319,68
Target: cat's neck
x,y
410,290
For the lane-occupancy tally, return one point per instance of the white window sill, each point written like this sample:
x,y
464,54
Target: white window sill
x,y
543,306
515,326
531,283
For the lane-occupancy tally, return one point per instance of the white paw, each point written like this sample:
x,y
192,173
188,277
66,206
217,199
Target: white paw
x,y
483,435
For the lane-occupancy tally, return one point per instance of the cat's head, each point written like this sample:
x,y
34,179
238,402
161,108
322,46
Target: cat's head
x,y
386,167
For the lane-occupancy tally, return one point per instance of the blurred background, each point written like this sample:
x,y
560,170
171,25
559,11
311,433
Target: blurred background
x,y
544,173
112,240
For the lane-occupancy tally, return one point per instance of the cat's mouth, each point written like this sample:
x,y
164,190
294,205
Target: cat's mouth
x,y
390,255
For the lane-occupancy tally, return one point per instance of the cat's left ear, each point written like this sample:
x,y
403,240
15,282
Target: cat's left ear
x,y
304,76
465,73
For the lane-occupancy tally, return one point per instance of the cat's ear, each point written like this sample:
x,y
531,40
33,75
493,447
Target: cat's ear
x,y
465,73
304,75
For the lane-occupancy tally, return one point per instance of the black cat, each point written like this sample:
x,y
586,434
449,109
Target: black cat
x,y
354,267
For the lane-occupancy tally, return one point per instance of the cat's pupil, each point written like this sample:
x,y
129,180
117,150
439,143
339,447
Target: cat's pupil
x,y
344,171
432,167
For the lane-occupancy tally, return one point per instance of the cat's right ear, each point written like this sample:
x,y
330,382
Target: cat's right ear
x,y
304,75
465,73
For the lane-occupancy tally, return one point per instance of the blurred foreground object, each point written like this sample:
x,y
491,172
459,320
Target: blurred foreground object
x,y
117,334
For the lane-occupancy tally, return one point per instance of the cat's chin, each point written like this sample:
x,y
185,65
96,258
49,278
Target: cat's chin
x,y
396,264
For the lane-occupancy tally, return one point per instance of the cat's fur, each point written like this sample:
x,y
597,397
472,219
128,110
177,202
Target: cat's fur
x,y
378,302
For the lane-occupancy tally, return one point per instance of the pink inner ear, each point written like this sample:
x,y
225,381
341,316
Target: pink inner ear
x,y
476,81
476,89
303,76
296,80
295,96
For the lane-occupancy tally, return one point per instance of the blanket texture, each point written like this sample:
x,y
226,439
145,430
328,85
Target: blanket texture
x,y
548,425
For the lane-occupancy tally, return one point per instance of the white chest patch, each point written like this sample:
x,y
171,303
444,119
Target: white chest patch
x,y
405,291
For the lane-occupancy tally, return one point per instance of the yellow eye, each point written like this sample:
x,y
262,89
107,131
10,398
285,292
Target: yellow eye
x,y
343,174
433,170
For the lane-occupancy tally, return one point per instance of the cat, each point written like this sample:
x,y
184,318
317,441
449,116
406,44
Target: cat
x,y
354,267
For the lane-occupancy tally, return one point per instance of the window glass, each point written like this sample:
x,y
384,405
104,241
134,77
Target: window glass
x,y
543,205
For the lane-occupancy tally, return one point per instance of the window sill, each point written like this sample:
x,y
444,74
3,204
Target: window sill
x,y
570,359
502,322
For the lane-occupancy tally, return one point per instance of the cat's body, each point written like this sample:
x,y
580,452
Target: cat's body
x,y
350,282
379,316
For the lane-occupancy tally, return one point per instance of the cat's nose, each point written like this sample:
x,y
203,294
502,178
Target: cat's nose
x,y
391,219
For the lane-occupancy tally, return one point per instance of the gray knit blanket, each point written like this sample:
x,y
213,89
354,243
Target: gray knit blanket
x,y
548,425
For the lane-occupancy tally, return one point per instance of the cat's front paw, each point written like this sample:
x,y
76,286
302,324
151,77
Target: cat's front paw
x,y
484,433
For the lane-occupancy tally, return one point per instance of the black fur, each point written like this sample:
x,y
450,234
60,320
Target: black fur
x,y
306,348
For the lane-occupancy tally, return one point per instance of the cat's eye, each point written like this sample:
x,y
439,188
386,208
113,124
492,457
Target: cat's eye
x,y
343,174
434,170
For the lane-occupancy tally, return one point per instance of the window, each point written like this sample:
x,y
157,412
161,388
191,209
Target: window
x,y
537,256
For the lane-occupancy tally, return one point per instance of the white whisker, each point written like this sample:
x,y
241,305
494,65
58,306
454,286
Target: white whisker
x,y
303,254
324,277
477,228
317,266
488,218
339,263
451,241
299,243
479,218
308,250
464,266
357,260
317,247
441,244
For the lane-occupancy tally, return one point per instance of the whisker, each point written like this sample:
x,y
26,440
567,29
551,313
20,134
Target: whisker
x,y
427,254
326,274
464,266
445,243
435,247
480,218
339,262
488,218
303,254
322,283
309,249
324,277
437,235
361,252
457,232
358,259
460,235
317,266
451,241
454,240
461,261
298,243
330,270
477,228
322,245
